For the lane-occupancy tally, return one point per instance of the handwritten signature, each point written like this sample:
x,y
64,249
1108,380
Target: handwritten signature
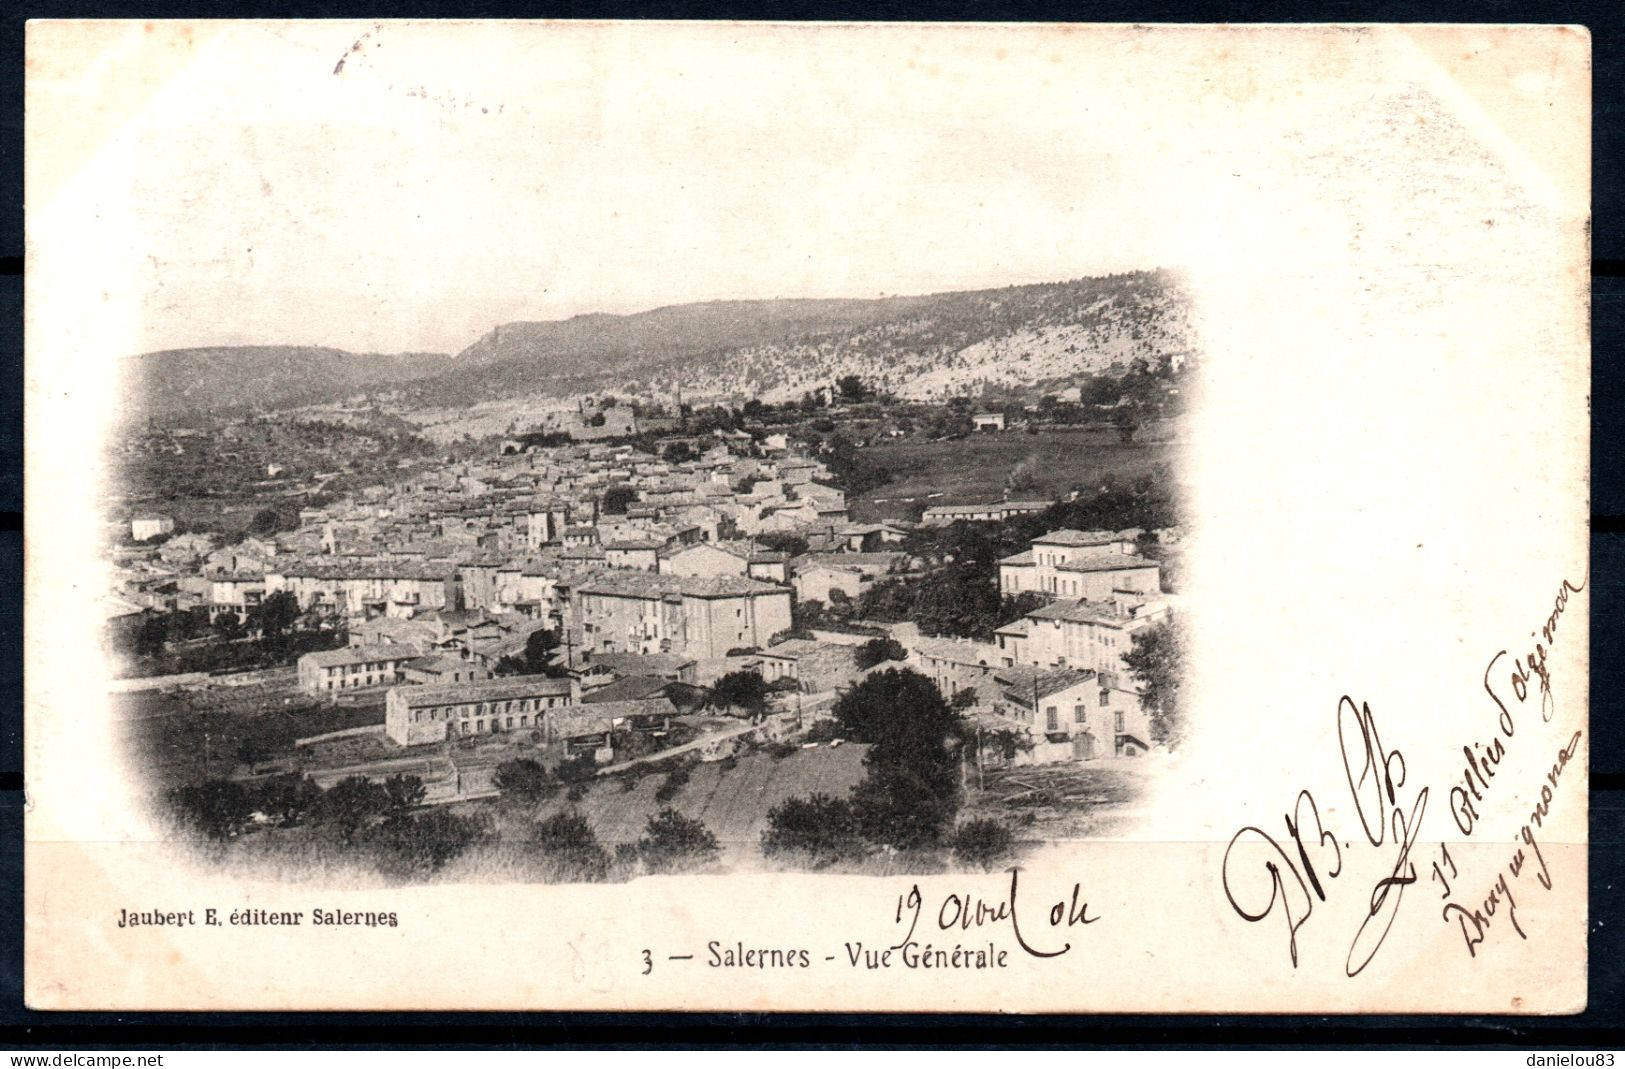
x,y
1255,863
1262,876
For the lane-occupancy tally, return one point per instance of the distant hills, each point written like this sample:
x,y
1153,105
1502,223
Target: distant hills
x,y
924,346
176,381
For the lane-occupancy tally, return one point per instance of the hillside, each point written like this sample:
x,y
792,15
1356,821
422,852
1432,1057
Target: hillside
x,y
178,381
924,347
959,343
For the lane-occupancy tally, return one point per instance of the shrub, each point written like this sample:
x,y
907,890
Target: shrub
x,y
578,790
218,808
351,804
417,846
673,843
675,780
740,690
877,651
576,769
288,798
404,792
525,779
825,731
569,851
819,831
983,843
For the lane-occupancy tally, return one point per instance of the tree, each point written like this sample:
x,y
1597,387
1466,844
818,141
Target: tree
x,y
524,779
983,843
1127,421
878,651
740,690
267,521
617,498
404,792
276,614
288,798
218,808
852,388
568,849
906,808
819,831
786,542
536,658
898,711
911,792
673,843
1157,661
228,627
352,803
417,846
151,635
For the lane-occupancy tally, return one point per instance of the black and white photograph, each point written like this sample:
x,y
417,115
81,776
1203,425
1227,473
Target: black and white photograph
x,y
806,516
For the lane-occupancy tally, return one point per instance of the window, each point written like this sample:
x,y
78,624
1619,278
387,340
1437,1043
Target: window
x,y
1119,721
1052,718
1079,714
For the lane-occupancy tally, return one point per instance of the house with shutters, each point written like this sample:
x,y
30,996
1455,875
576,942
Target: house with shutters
x,y
701,618
1065,714
329,672
414,715
1092,565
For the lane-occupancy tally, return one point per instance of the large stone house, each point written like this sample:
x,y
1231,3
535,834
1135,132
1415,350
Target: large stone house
x,y
1094,566
414,715
328,672
1062,714
703,618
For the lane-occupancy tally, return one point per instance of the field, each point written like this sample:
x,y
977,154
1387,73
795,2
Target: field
x,y
732,802
177,738
974,468
1062,802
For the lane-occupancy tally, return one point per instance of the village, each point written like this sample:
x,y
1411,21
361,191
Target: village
x,y
597,598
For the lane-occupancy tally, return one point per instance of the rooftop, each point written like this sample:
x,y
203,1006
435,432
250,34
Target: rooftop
x,y
1022,681
652,585
644,662
1105,561
487,690
957,650
631,688
1085,612
358,655
615,710
1068,537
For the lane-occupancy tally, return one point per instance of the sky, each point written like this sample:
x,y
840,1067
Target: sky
x,y
235,183
239,189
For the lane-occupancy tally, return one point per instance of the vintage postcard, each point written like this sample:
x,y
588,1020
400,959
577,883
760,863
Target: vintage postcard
x,y
723,516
